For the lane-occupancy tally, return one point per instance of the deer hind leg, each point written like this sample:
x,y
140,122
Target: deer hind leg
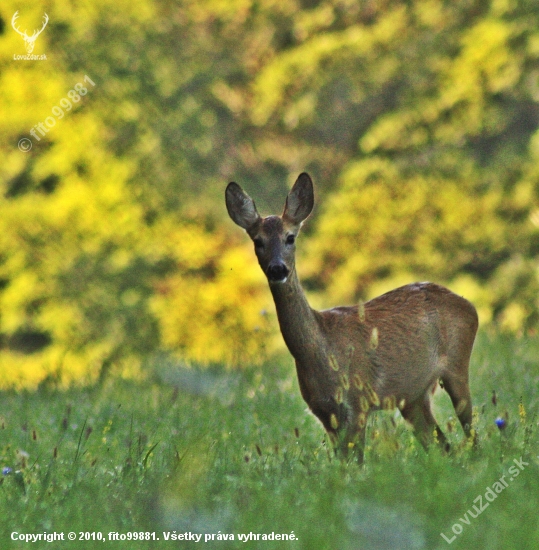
x,y
419,414
458,388
455,374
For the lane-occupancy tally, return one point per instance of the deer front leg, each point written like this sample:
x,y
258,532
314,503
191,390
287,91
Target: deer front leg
x,y
349,439
354,442
346,432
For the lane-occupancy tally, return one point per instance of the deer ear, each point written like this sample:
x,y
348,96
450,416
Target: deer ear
x,y
300,200
241,207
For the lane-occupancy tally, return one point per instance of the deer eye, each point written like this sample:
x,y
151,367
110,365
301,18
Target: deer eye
x,y
259,243
291,239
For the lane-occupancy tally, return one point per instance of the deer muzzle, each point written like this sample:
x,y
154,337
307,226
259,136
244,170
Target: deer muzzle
x,y
277,272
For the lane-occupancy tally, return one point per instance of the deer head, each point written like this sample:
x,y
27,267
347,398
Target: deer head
x,y
274,237
29,40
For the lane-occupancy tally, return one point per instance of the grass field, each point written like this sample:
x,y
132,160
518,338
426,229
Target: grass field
x,y
213,452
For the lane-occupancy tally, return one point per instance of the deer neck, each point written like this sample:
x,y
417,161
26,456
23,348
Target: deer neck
x,y
299,323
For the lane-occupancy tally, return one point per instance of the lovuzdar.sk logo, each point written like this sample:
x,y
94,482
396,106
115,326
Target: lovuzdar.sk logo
x,y
29,41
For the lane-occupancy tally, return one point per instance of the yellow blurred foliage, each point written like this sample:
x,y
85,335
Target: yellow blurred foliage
x,y
214,309
417,120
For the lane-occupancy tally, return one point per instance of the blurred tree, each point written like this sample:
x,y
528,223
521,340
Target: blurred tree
x,y
86,279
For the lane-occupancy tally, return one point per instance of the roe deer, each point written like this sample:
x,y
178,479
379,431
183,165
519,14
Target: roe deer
x,y
385,353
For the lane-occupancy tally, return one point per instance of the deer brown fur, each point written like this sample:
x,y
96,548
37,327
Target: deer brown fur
x,y
385,353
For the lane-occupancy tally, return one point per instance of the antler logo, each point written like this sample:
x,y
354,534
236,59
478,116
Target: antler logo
x,y
29,40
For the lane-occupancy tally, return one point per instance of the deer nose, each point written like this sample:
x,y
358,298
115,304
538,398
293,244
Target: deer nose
x,y
277,272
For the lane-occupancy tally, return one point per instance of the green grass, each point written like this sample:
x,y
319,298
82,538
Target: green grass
x,y
209,451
